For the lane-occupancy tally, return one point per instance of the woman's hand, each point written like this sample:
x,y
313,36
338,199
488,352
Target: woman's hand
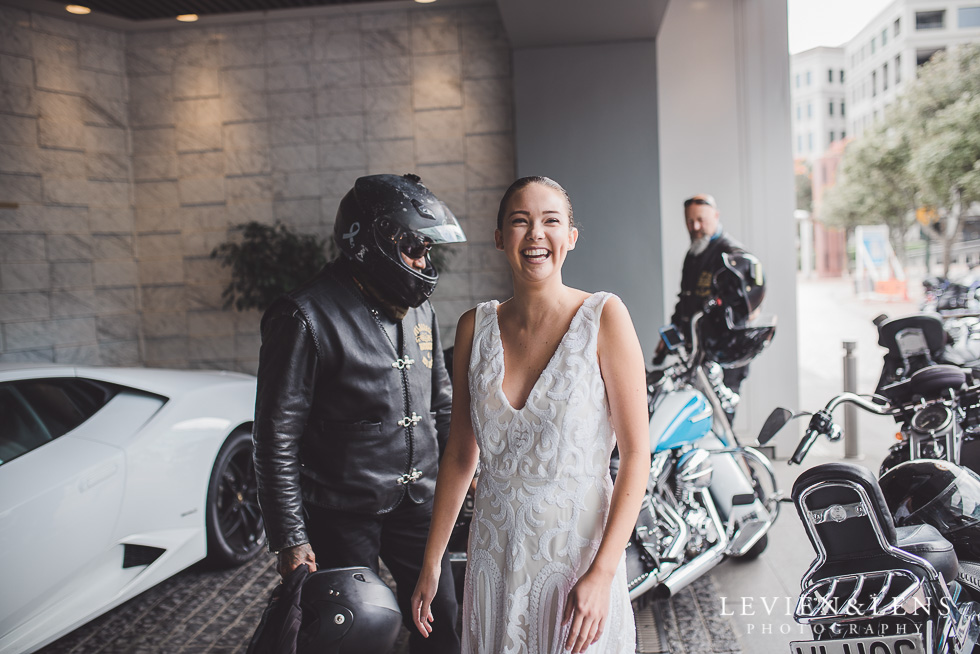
x,y
586,609
425,590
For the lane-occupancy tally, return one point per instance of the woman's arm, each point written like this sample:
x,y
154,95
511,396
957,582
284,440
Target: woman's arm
x,y
456,470
621,366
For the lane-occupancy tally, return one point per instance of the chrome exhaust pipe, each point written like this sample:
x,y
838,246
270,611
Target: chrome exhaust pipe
x,y
674,553
700,564
696,567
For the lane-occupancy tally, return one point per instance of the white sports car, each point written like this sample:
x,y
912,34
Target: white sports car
x,y
112,480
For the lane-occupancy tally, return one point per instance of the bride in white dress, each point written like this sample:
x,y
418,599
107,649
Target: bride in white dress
x,y
547,383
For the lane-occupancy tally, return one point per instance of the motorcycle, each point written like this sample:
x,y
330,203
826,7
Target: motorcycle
x,y
891,573
937,404
708,496
943,294
926,339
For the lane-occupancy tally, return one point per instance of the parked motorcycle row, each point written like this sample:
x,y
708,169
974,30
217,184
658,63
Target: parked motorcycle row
x,y
897,567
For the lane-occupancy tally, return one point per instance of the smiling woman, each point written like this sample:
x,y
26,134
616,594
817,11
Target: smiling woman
x,y
556,380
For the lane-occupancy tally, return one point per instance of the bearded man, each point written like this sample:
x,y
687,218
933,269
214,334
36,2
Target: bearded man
x,y
708,243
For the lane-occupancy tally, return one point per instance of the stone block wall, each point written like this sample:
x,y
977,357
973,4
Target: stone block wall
x,y
166,139
68,282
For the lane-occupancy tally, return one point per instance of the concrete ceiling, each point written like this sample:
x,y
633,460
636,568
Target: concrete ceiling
x,y
537,23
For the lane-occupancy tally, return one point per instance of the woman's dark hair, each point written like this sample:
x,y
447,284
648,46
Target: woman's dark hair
x,y
527,181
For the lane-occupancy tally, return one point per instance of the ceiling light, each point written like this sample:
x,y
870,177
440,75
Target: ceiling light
x,y
78,9
424,2
187,18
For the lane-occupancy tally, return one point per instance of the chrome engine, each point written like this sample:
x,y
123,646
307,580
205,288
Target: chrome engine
x,y
677,521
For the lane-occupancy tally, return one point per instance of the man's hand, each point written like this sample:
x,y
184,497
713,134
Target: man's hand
x,y
291,558
660,354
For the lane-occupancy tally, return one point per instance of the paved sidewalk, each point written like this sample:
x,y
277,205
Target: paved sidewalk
x,y
198,611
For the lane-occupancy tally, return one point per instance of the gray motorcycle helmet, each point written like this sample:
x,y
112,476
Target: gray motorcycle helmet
x,y
383,216
347,611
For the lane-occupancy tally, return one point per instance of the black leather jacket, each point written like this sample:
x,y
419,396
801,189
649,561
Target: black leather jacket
x,y
696,277
340,420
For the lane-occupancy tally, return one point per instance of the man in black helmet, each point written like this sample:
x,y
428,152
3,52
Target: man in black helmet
x,y
353,398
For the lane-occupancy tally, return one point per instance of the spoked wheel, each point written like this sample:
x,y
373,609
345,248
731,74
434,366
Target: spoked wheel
x,y
236,531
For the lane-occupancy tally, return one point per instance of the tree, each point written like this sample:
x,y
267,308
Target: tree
x,y
804,188
942,114
926,153
874,185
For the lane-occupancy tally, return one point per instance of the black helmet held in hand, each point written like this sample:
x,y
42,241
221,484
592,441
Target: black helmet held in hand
x,y
385,217
740,285
728,331
937,493
347,611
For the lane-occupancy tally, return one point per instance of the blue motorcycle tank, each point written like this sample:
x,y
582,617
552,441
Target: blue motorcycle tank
x,y
682,417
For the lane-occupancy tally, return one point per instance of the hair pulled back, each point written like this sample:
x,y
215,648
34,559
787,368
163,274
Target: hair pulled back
x,y
524,182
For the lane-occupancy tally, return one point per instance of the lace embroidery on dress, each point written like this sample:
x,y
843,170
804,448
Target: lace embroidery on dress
x,y
543,496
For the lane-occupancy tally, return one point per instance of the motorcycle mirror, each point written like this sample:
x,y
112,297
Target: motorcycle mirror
x,y
776,420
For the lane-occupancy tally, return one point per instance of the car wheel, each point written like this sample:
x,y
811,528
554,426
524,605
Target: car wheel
x,y
236,531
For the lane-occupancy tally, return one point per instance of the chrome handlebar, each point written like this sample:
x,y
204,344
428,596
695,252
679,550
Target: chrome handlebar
x,y
822,422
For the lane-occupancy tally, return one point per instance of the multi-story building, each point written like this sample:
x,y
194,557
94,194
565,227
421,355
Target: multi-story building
x,y
883,57
817,100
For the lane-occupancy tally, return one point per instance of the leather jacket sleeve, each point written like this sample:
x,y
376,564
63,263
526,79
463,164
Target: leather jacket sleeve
x,y
442,390
284,395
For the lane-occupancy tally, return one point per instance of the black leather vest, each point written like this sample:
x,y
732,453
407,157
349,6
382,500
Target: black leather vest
x,y
351,405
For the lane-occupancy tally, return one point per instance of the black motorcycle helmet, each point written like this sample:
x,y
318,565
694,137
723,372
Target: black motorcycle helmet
x,y
728,331
938,493
347,611
384,216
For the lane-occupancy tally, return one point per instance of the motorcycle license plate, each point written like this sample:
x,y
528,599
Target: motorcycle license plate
x,y
906,644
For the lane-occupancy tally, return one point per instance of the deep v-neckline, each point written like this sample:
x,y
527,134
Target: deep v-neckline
x,y
554,355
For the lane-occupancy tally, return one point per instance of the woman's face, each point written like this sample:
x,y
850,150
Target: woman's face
x,y
536,234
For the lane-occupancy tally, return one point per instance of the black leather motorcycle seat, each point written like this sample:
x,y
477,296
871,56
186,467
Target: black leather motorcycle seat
x,y
926,541
933,380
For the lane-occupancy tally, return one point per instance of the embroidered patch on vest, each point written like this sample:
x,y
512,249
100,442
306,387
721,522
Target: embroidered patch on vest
x,y
423,336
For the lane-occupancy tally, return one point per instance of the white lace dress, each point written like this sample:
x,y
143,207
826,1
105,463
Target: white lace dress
x,y
543,495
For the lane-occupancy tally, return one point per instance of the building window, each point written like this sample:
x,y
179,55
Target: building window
x,y
969,17
797,80
874,83
884,37
898,26
809,141
830,108
799,112
872,45
898,69
799,143
884,77
842,108
843,135
922,56
809,110
930,20
808,79
841,75
831,138
830,75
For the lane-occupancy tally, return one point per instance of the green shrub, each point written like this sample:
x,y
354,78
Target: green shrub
x,y
268,261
